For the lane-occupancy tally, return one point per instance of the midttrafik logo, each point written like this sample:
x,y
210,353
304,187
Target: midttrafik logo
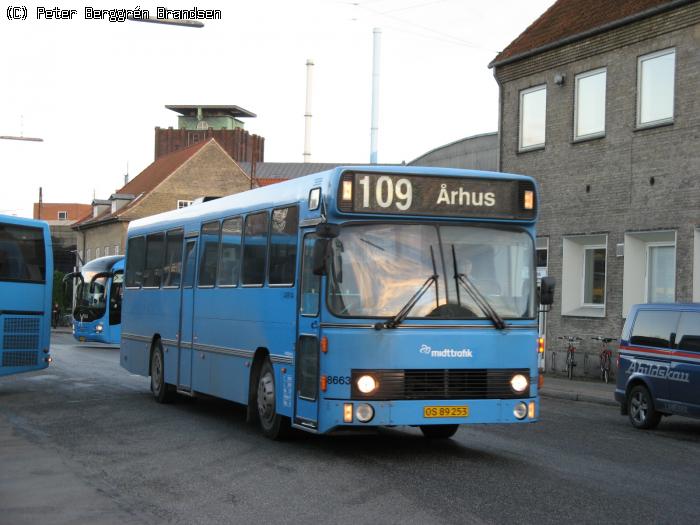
x,y
446,352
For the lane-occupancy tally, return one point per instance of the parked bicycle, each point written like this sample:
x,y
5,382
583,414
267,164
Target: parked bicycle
x,y
571,341
605,357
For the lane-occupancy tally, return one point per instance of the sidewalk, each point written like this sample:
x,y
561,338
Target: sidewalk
x,y
590,391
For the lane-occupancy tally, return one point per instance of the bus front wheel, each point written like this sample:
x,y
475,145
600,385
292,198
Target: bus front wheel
x,y
162,391
439,431
273,424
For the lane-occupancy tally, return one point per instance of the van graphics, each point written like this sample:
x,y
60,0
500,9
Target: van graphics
x,y
662,371
446,352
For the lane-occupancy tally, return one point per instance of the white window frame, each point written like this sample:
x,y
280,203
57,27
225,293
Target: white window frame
x,y
62,215
587,248
666,244
580,76
97,252
88,254
106,251
696,267
181,203
573,274
521,97
651,56
116,249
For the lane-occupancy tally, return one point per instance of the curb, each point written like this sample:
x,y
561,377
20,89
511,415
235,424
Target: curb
x,y
577,396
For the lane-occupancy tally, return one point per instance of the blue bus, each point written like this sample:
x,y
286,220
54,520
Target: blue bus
x,y
26,284
352,298
98,300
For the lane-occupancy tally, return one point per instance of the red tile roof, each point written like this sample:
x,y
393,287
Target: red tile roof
x,y
147,180
49,210
568,18
266,182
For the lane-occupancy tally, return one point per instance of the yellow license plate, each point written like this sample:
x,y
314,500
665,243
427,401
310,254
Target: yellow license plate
x,y
462,411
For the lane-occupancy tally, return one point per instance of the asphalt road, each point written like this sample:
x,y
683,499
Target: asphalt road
x,y
84,442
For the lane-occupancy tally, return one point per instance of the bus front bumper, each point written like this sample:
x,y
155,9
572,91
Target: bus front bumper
x,y
335,413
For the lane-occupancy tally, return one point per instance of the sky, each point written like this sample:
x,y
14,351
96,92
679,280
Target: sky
x,y
95,90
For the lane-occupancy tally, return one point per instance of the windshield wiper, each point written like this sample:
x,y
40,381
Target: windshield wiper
x,y
403,313
476,295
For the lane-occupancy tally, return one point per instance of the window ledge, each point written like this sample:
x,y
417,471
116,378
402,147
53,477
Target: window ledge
x,y
531,148
588,138
586,311
654,125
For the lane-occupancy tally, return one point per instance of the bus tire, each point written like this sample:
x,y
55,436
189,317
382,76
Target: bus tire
x,y
273,425
162,392
640,408
439,431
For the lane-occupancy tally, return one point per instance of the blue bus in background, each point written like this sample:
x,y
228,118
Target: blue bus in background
x,y
26,285
98,300
353,298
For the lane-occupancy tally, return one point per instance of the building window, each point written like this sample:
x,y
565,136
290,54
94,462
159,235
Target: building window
x,y
593,276
696,267
62,215
116,249
584,270
533,111
88,255
589,104
97,253
650,268
655,86
183,204
106,251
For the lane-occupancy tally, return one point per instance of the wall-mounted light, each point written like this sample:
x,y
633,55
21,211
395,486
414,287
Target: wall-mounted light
x,y
559,79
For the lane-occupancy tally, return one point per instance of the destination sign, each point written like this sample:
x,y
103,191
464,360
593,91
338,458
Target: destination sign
x,y
386,193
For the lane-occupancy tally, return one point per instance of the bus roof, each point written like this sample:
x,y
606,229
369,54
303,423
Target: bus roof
x,y
103,264
293,191
22,221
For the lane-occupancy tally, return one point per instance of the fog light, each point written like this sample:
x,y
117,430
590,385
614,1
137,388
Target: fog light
x,y
366,384
347,413
364,413
519,383
520,410
99,328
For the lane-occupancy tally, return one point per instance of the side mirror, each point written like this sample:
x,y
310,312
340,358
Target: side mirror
x,y
319,256
547,286
108,275
327,231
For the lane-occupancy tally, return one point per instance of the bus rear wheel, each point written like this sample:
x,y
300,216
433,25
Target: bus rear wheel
x,y
274,425
162,391
439,431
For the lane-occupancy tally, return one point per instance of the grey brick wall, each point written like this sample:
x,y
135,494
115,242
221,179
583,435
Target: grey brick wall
x,y
618,167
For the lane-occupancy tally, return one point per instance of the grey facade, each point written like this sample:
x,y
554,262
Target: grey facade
x,y
479,152
630,190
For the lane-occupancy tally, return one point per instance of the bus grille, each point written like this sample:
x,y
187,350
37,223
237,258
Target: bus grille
x,y
481,383
20,333
20,358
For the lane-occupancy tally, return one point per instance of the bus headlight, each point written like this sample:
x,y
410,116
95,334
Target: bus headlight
x,y
519,383
520,410
366,384
99,328
364,413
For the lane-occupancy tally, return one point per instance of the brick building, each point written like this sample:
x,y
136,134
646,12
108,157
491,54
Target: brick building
x,y
173,181
61,217
199,123
599,102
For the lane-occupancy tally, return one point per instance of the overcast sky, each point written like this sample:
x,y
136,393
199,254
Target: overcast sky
x,y
95,91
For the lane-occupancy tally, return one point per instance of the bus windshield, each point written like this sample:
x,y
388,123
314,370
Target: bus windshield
x,y
377,268
91,298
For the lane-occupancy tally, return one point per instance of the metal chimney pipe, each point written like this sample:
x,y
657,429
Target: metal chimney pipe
x,y
375,95
307,113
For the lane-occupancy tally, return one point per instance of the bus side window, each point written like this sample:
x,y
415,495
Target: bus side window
x,y
230,259
190,260
136,261
155,251
310,283
173,259
254,249
208,253
283,245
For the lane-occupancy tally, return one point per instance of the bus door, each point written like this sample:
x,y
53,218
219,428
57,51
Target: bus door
x,y
307,360
184,339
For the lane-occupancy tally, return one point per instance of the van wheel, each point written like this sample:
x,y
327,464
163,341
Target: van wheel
x,y
439,431
640,408
273,424
162,391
